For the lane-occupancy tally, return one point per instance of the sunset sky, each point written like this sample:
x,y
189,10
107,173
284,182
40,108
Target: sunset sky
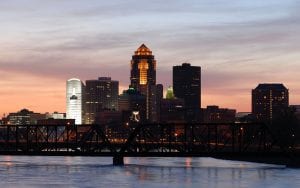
x,y
238,44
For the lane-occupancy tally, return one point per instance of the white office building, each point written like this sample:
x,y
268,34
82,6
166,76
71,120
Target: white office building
x,y
74,99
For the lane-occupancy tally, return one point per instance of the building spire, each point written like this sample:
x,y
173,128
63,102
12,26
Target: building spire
x,y
143,50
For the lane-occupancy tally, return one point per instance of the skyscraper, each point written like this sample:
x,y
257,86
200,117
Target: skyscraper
x,y
143,75
74,99
156,97
187,86
99,95
268,100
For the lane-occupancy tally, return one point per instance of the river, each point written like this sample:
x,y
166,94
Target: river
x,y
41,171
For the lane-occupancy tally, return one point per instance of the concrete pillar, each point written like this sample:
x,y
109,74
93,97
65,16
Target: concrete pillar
x,y
118,160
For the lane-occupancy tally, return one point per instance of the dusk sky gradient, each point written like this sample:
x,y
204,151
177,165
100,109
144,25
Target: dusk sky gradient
x,y
238,44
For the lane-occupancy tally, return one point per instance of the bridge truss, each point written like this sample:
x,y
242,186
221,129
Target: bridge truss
x,y
238,141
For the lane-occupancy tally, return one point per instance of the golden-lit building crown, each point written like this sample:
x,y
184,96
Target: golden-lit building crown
x,y
143,50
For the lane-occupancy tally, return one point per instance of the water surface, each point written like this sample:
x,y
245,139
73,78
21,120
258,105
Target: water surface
x,y
35,171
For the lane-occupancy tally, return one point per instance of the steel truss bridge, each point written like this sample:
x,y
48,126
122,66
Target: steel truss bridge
x,y
234,141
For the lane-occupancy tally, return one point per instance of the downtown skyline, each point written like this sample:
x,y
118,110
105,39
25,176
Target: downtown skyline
x,y
237,46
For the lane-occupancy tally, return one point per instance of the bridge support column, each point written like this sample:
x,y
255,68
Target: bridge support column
x,y
118,160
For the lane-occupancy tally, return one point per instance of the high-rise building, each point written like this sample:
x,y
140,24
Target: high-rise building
x,y
143,76
187,86
101,94
268,100
157,96
74,99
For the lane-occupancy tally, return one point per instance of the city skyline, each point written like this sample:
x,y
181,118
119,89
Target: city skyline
x,y
43,46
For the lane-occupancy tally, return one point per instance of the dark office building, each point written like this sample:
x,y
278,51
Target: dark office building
x,y
132,104
143,76
214,114
187,86
101,94
296,109
172,111
108,117
268,100
156,97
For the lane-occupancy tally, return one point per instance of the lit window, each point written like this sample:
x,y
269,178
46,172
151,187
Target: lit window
x,y
143,67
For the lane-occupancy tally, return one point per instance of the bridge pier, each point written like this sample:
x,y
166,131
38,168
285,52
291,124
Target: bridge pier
x,y
294,163
118,160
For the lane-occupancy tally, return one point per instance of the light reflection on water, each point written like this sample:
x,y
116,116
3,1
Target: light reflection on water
x,y
33,171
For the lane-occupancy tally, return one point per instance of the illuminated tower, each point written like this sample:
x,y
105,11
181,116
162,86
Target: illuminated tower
x,y
143,76
74,99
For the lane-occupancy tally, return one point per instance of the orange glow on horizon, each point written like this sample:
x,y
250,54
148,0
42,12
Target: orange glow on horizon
x,y
50,99
48,95
34,93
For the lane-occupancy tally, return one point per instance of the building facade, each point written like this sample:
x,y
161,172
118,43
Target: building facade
x,y
24,117
268,100
170,93
214,114
75,100
172,110
55,115
157,96
101,94
187,86
296,109
132,105
143,76
60,122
